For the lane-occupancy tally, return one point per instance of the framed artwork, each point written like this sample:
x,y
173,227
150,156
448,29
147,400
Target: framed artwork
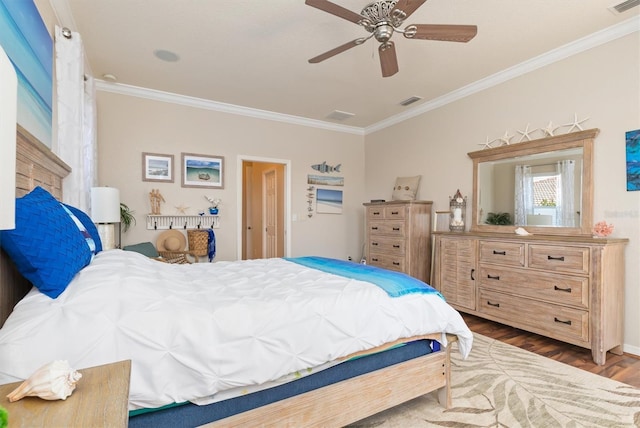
x,y
633,159
202,171
157,167
29,46
328,201
441,221
324,180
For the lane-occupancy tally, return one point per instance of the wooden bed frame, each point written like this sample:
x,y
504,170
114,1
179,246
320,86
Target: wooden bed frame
x,y
334,405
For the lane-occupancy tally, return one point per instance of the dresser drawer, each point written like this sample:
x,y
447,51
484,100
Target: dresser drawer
x,y
387,261
395,212
559,258
548,319
503,253
550,287
384,212
390,228
386,245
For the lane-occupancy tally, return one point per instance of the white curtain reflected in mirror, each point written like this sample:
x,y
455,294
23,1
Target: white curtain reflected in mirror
x,y
565,207
523,195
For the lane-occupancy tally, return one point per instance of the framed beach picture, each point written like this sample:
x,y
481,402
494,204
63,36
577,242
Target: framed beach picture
x,y
328,201
202,171
157,167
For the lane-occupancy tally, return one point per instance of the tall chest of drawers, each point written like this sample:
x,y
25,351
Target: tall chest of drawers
x,y
567,288
398,236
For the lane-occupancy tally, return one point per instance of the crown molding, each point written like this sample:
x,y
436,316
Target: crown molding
x,y
200,103
589,42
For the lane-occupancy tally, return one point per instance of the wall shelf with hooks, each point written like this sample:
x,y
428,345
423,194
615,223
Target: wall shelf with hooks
x,y
163,222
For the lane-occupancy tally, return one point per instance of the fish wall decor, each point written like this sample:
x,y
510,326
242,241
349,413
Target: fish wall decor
x,y
324,168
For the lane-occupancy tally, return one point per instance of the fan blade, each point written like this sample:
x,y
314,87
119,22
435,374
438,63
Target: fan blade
x,y
336,51
407,7
335,9
446,33
388,59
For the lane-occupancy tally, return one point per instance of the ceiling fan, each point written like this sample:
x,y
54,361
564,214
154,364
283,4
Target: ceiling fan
x,y
383,18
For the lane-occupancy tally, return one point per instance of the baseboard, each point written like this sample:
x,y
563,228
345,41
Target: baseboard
x,y
633,350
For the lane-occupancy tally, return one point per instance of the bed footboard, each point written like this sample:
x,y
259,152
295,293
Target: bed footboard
x,y
352,400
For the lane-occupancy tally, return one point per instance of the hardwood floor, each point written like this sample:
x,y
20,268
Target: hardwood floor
x,y
623,368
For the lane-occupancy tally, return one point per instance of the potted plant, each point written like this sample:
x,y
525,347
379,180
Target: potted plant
x,y
500,219
126,217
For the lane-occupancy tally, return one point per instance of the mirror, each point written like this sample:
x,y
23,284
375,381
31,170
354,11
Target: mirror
x,y
544,186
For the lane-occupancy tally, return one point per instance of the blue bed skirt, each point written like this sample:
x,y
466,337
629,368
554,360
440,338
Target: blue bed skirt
x,y
189,415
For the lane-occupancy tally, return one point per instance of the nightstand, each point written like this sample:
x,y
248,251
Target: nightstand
x,y
100,399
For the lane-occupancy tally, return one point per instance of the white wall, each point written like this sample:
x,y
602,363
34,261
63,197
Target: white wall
x,y
602,84
129,126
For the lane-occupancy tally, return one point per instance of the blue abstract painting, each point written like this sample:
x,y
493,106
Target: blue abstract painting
x,y
25,39
633,159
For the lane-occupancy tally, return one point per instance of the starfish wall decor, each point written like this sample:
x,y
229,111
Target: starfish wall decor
x,y
526,135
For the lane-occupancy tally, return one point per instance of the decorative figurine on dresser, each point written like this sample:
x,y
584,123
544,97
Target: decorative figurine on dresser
x,y
549,277
398,233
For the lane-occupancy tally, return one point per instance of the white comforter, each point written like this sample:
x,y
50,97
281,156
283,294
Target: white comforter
x,y
194,330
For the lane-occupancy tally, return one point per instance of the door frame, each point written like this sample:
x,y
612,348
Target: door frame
x,y
240,200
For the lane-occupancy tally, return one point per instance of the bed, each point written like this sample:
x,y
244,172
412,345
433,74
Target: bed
x,y
304,347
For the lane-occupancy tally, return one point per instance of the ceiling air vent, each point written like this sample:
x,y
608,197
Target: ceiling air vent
x,y
624,6
410,100
339,115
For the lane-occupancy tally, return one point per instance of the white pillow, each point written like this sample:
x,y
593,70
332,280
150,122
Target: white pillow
x,y
406,188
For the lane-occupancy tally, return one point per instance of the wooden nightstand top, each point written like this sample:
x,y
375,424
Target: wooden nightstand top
x,y
100,400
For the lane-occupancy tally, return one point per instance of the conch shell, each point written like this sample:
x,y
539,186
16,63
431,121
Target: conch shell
x,y
53,381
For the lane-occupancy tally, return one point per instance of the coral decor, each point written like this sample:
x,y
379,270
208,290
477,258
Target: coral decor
x,y
602,229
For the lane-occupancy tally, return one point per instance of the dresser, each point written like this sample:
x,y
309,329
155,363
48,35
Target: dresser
x,y
570,288
398,236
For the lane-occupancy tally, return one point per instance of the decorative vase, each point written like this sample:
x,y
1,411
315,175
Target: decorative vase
x,y
213,211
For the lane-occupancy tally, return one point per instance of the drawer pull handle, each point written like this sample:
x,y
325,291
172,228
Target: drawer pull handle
x,y
472,272
394,212
376,213
375,244
566,290
374,228
567,322
374,259
395,229
496,277
396,246
495,305
500,253
560,259
396,263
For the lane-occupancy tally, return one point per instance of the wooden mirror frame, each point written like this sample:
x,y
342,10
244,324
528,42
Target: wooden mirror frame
x,y
581,139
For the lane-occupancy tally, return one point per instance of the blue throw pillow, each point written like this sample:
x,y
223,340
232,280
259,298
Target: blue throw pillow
x,y
89,226
46,245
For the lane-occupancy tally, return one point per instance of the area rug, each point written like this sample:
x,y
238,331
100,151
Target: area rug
x,y
500,385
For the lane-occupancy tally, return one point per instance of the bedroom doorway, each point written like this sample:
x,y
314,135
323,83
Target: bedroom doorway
x,y
263,207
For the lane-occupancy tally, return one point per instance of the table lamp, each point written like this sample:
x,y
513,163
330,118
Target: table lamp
x,y
105,211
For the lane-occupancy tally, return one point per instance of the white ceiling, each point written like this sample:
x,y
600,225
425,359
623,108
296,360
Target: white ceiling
x,y
254,53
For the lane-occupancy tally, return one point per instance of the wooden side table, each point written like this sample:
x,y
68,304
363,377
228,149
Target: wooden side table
x,y
100,399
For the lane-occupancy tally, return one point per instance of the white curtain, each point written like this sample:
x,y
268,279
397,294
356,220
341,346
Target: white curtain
x,y
75,141
523,194
565,207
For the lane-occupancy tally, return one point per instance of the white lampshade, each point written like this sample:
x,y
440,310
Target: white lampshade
x,y
105,205
8,112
